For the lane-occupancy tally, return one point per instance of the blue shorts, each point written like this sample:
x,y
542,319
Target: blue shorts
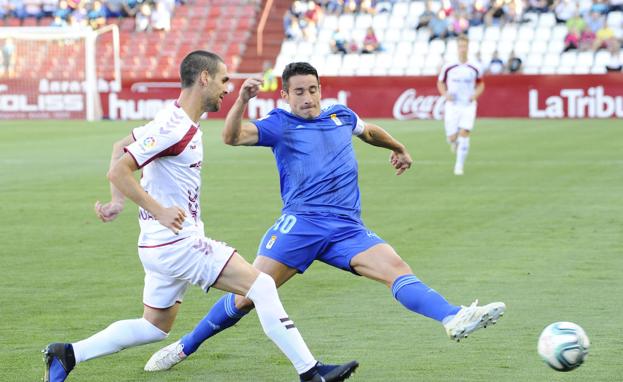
x,y
296,240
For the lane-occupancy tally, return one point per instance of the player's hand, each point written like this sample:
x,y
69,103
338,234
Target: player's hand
x,y
401,161
109,211
172,218
249,89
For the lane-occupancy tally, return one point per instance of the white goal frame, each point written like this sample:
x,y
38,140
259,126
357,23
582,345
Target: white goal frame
x,y
90,37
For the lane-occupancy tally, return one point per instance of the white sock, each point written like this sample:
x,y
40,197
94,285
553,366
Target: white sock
x,y
276,324
462,151
116,337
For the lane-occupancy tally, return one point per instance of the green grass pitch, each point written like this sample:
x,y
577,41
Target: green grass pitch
x,y
535,222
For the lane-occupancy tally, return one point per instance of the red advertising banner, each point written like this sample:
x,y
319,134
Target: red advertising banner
x,y
402,98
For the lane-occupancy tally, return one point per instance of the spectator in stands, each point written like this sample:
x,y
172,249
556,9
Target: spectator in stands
x,y
161,17
353,47
438,26
59,22
514,63
114,8
564,10
600,6
33,9
614,65
367,7
8,58
604,38
17,9
538,6
477,13
497,14
63,10
338,42
572,39
384,6
615,5
350,6
130,8
594,22
143,18
79,17
333,7
370,42
496,65
97,15
459,22
5,10
426,16
48,7
291,26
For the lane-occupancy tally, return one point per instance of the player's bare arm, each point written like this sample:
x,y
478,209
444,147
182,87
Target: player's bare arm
x,y
121,175
109,211
443,90
235,132
377,136
480,87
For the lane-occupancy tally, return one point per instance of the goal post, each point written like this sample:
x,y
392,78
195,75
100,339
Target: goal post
x,y
57,73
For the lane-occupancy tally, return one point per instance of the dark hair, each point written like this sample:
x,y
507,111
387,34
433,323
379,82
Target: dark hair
x,y
295,69
195,63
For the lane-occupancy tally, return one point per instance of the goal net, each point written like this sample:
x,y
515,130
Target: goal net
x,y
57,73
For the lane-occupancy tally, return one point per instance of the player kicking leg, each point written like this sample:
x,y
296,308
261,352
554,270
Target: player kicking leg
x,y
237,277
362,253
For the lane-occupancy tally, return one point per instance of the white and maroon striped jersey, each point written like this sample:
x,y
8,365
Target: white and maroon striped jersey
x,y
461,79
169,150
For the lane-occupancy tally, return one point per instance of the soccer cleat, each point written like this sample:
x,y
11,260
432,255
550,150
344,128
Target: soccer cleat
x,y
331,373
59,361
458,170
166,358
473,317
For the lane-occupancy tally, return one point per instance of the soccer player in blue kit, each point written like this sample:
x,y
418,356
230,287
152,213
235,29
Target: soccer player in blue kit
x,y
321,211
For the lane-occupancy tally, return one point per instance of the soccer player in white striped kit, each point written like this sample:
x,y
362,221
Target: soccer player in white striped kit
x,y
461,84
172,245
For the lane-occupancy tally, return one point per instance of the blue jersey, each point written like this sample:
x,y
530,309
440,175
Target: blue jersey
x,y
315,159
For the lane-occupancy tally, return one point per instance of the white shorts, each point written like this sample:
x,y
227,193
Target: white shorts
x,y
170,268
459,117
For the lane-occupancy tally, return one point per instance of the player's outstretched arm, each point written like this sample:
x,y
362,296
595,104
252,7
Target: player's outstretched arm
x,y
375,135
235,132
121,175
109,211
480,87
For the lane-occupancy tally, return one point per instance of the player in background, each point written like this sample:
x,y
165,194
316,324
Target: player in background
x,y
461,84
172,245
321,211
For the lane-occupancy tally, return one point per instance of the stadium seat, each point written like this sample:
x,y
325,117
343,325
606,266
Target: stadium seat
x,y
401,9
420,47
615,19
330,23
423,35
598,69
380,22
363,21
556,46
530,69
585,59
409,34
404,47
559,32
416,8
346,22
333,63
492,33
534,60
539,46
547,20
476,33
525,33
543,33
548,69
508,34
437,47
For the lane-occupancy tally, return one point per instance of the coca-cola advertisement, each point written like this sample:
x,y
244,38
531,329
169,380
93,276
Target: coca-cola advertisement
x,y
401,98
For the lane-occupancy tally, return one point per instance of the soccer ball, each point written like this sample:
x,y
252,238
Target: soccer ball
x,y
563,346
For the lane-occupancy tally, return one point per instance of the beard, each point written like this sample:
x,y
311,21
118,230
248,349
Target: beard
x,y
212,105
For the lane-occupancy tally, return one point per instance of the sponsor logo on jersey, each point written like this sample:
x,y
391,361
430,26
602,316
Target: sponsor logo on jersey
x,y
271,242
336,120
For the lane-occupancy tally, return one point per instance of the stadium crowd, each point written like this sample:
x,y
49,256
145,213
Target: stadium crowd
x,y
148,14
586,20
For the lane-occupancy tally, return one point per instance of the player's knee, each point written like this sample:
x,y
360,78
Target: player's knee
x,y
263,287
243,303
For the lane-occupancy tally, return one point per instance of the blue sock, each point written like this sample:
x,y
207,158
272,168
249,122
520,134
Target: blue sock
x,y
419,298
222,315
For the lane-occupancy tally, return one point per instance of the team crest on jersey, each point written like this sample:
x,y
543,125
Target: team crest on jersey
x,y
271,242
336,120
148,143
